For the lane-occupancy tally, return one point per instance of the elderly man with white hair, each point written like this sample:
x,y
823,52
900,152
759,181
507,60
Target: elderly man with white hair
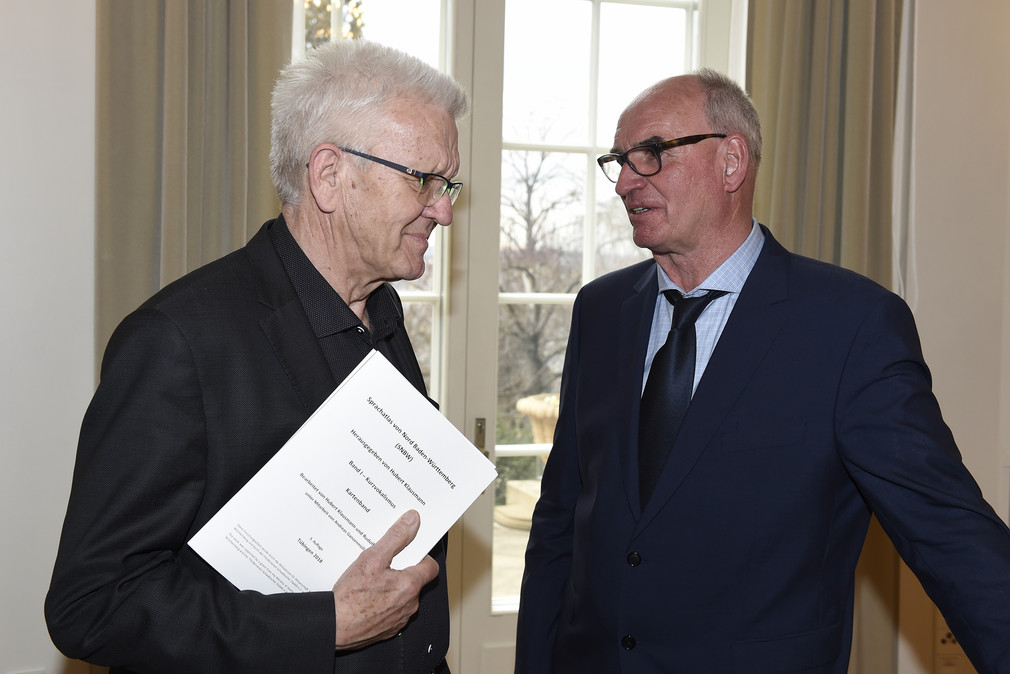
x,y
205,381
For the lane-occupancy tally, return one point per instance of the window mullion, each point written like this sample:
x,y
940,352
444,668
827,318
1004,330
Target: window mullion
x,y
589,221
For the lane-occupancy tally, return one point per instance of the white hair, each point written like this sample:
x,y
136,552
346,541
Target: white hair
x,y
729,109
339,93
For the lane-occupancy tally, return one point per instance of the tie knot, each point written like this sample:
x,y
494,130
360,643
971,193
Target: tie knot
x,y
687,309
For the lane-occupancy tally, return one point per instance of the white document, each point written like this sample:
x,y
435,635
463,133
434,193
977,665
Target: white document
x,y
373,450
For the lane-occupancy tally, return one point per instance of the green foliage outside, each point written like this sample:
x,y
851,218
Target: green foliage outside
x,y
318,21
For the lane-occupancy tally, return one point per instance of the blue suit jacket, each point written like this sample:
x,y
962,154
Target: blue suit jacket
x,y
814,410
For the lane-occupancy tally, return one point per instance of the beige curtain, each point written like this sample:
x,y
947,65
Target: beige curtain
x,y
182,138
823,74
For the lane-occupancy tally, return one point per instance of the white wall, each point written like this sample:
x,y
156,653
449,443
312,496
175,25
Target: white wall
x,y
961,169
961,289
47,73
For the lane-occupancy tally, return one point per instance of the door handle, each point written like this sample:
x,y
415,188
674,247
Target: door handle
x,y
479,431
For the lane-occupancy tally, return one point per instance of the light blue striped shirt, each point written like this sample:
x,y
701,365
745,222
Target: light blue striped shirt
x,y
730,276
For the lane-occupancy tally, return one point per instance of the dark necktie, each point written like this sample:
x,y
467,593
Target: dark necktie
x,y
668,389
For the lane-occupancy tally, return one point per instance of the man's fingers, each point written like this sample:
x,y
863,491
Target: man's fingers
x,y
398,536
373,601
423,572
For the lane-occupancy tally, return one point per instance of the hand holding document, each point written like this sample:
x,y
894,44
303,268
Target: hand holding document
x,y
374,602
374,449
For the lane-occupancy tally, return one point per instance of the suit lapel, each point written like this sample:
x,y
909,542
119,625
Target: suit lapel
x,y
287,327
752,327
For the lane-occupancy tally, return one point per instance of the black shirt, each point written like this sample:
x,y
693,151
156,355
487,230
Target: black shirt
x,y
421,646
342,336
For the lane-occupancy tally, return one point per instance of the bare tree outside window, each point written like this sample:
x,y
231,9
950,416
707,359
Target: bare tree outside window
x,y
541,252
615,248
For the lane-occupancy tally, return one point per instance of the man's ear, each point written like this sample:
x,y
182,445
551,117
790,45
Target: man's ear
x,y
736,160
324,183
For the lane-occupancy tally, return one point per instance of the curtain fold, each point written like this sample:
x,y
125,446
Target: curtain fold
x,y
823,74
182,139
824,77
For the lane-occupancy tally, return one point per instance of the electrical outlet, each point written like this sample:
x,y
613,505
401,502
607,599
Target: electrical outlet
x,y
949,658
946,643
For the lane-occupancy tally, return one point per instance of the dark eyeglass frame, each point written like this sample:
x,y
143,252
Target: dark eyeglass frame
x,y
445,187
656,149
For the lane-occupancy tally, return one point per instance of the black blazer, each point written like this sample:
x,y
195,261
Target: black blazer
x,y
200,386
815,409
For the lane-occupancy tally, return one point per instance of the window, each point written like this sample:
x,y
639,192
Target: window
x,y
569,68
561,222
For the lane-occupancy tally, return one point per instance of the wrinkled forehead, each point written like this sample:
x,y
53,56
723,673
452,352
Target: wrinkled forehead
x,y
422,131
668,110
420,118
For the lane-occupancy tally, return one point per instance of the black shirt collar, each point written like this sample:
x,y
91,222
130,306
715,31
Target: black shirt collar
x,y
326,310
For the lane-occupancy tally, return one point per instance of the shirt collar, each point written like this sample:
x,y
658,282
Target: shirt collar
x,y
327,312
731,274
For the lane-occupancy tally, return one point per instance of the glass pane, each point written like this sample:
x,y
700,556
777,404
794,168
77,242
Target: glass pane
x,y
432,258
542,219
516,491
318,23
547,244
412,26
531,349
531,352
658,38
546,74
614,245
417,318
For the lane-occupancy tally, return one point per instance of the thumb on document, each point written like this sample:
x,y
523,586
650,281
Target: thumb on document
x,y
372,601
398,536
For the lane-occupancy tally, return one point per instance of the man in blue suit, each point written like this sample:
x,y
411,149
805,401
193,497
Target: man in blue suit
x,y
812,408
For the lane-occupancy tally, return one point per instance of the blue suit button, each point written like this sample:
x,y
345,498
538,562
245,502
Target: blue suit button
x,y
628,642
634,559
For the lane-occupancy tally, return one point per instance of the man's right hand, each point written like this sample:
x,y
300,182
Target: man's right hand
x,y
374,602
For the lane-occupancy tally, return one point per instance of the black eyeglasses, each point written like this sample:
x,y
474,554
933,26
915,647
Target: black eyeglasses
x,y
646,159
432,186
